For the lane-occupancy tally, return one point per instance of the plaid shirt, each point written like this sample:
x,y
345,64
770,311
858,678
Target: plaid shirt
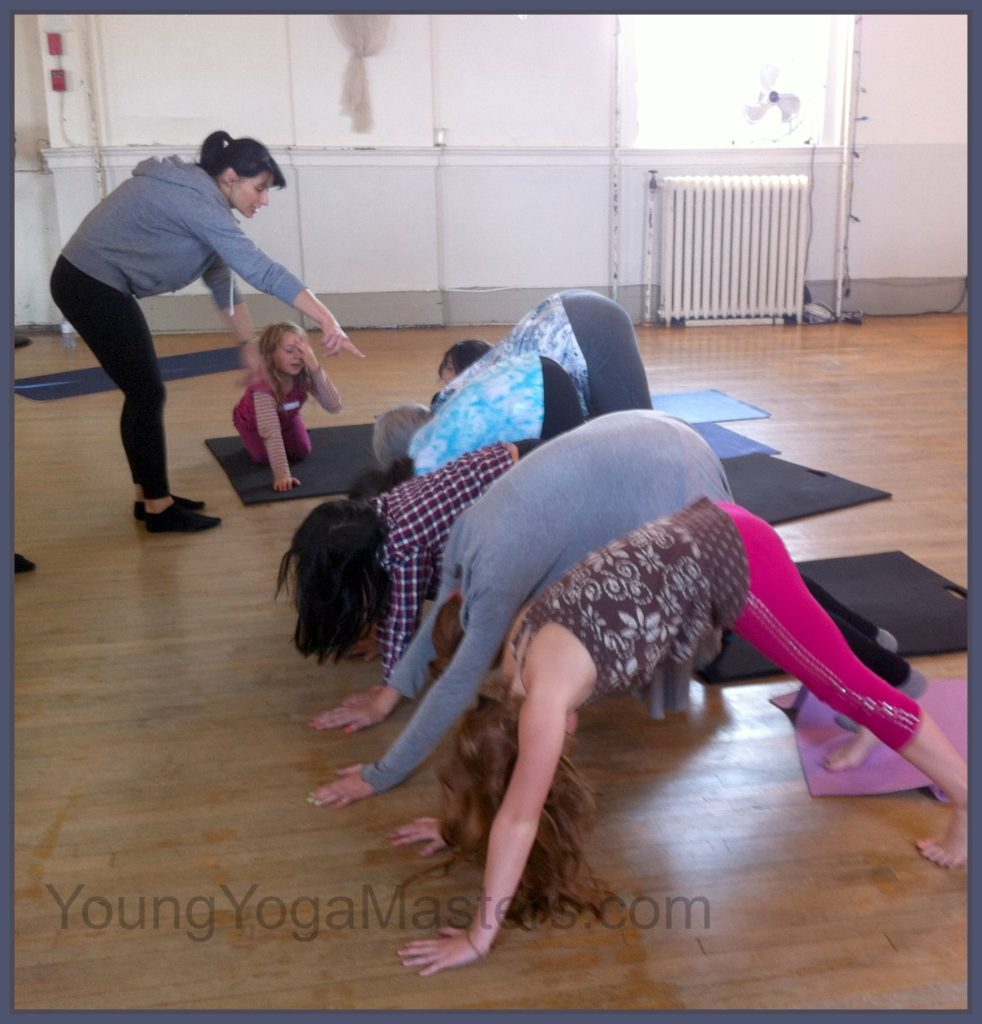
x,y
418,515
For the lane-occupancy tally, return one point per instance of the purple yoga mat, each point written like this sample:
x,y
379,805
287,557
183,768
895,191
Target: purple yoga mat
x,y
884,771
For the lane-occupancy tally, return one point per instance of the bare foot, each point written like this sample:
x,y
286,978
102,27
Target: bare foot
x,y
853,752
952,850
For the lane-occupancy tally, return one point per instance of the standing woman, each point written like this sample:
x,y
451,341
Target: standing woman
x,y
169,224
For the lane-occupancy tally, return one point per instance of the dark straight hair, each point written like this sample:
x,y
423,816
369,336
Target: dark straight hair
x,y
247,157
340,587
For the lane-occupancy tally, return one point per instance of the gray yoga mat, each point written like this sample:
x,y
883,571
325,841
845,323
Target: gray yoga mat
x,y
339,455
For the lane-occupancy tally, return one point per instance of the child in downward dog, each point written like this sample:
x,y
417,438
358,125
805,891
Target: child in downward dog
x,y
627,614
267,416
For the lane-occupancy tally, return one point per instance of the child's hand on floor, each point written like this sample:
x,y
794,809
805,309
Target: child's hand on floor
x,y
359,712
285,483
420,830
349,788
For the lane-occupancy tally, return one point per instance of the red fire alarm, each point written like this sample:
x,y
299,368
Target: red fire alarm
x,y
58,80
54,44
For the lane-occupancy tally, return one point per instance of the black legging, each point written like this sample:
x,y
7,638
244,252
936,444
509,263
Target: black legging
x,y
560,401
606,337
115,329
860,634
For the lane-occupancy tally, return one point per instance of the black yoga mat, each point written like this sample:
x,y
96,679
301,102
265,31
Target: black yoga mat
x,y
94,379
339,455
777,490
927,613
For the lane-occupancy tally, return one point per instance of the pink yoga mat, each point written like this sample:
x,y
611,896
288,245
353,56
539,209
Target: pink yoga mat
x,y
884,771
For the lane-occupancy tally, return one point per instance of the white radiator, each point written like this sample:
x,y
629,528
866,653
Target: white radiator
x,y
733,248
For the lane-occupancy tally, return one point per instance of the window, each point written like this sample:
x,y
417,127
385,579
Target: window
x,y
697,74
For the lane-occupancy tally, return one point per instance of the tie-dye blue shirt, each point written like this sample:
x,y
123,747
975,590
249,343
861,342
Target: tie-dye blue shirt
x,y
503,402
546,331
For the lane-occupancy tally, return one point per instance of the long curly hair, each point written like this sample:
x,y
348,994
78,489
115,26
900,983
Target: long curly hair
x,y
268,343
474,781
340,587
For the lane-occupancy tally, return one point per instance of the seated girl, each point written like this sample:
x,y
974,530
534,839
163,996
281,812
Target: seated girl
x,y
267,416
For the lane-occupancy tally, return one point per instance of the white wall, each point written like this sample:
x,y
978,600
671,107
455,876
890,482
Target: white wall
x,y
911,181
393,229
543,81
36,238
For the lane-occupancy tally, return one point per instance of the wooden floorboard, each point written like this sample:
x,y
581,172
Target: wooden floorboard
x,y
161,751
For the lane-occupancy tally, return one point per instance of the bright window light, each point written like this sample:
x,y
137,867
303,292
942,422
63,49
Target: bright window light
x,y
707,81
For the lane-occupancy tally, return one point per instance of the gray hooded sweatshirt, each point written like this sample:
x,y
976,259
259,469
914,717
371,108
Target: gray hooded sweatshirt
x,y
166,226
567,498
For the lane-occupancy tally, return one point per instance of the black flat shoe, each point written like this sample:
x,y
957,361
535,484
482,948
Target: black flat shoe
x,y
140,508
175,519
22,564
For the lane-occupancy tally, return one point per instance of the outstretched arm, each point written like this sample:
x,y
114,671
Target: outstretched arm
x,y
324,390
450,695
240,322
541,737
558,675
334,340
410,577
446,701
268,425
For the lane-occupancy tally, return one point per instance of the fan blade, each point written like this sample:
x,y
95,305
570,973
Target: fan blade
x,y
768,76
789,105
754,113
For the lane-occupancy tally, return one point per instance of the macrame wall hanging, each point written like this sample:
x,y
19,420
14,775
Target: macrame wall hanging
x,y
363,35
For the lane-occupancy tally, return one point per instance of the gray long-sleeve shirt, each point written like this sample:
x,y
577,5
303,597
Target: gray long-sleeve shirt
x,y
166,226
573,495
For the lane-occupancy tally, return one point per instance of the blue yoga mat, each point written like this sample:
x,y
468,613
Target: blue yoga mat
x,y
94,379
730,445
706,407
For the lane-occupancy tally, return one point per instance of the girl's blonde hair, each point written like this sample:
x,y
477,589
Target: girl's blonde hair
x,y
268,343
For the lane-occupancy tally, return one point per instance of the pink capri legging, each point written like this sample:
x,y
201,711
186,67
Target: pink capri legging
x,y
782,620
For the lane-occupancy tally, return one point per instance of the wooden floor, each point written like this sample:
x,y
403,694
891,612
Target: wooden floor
x,y
162,754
